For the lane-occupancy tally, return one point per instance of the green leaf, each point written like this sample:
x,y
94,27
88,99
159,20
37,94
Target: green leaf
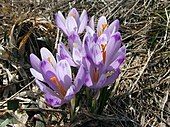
x,y
13,105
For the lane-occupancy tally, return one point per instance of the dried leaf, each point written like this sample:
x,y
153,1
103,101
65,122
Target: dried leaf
x,y
24,41
21,116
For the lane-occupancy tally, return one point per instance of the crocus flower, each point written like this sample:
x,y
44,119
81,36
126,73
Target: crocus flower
x,y
73,53
103,27
55,78
103,59
72,23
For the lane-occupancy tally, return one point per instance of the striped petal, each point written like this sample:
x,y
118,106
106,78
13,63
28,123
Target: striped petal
x,y
47,55
112,47
60,22
71,25
63,53
102,25
64,75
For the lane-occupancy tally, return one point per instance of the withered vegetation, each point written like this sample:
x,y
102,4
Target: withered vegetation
x,y
141,94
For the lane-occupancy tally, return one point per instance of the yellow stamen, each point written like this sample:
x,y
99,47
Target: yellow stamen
x,y
103,28
62,90
49,59
104,52
73,15
95,75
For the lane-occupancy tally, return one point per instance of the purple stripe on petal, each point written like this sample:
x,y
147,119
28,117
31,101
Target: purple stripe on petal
x,y
53,100
46,66
64,75
121,53
112,47
63,53
74,38
102,39
70,93
47,55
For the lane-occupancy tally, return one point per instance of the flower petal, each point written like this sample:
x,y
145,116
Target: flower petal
x,y
60,22
46,67
120,55
71,25
87,65
63,53
36,74
90,30
59,85
116,63
102,40
53,100
70,93
77,53
73,12
83,22
50,96
47,55
63,71
91,23
88,80
74,38
102,25
112,47
113,77
100,83
96,54
35,62
79,80
114,27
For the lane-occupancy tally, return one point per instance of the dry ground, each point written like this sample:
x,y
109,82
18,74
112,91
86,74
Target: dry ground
x,y
141,94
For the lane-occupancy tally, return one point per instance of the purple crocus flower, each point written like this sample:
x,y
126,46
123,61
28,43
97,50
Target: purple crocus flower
x,y
74,57
104,55
55,78
72,23
73,53
103,27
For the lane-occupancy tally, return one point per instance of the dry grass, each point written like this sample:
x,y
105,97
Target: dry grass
x,y
141,94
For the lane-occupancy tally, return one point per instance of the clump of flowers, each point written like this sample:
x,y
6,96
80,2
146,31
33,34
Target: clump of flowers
x,y
55,78
97,56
